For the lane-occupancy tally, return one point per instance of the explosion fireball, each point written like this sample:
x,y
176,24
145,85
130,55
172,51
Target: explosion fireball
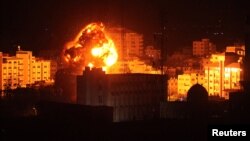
x,y
91,47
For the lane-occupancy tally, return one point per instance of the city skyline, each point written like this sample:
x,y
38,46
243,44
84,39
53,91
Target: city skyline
x,y
49,25
124,69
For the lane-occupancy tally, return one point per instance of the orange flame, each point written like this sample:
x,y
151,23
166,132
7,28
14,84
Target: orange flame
x,y
91,47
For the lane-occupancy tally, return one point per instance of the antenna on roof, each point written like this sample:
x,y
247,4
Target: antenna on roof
x,y
18,47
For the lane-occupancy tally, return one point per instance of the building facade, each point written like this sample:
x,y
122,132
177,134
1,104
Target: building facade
x,y
23,70
203,47
129,44
220,79
240,50
132,96
152,53
186,81
1,71
132,66
172,89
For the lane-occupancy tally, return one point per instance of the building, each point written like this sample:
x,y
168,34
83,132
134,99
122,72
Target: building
x,y
214,75
203,47
1,73
54,55
232,77
220,79
170,71
220,74
132,66
53,69
240,50
128,43
186,81
132,96
23,70
173,89
65,85
234,54
152,53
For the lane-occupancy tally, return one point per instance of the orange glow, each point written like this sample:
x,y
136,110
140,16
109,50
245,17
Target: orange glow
x,y
91,47
90,65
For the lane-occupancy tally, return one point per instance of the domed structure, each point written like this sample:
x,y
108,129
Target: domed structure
x,y
197,93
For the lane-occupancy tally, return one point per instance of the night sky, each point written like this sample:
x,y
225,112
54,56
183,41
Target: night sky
x,y
47,24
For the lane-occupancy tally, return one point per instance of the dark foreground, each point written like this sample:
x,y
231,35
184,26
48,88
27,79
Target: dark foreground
x,y
37,128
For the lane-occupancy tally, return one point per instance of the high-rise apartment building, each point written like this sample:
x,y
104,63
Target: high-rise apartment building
x,y
129,44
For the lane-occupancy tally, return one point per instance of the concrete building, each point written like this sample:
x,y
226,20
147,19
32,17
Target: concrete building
x,y
23,61
173,89
240,50
170,71
214,71
53,69
234,54
132,66
232,76
151,52
65,85
129,44
23,70
220,75
186,81
203,47
220,79
132,96
1,71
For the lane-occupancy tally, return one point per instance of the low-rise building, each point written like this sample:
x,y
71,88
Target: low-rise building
x,y
186,81
132,96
